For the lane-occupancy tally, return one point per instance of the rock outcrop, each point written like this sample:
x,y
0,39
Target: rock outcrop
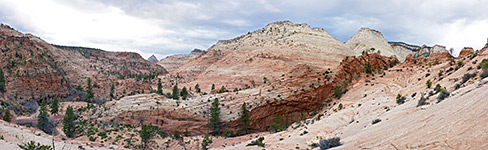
x,y
173,62
270,52
368,40
153,59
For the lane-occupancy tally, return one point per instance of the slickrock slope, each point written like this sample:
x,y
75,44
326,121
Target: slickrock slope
x,y
173,62
35,70
456,122
302,105
153,59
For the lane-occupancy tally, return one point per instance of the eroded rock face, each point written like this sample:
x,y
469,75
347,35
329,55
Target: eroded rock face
x,y
270,52
302,105
36,70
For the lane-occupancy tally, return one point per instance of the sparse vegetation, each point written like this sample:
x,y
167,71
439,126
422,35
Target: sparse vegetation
x,y
275,126
329,143
367,68
34,146
222,90
258,142
339,91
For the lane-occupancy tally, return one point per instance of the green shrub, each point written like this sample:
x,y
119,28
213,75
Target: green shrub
x,y
429,84
437,88
400,99
92,138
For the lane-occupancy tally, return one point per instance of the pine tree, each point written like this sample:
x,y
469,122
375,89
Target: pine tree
x,y
244,118
2,82
146,133
89,91
215,115
54,106
175,94
6,117
68,122
42,118
112,90
160,87
184,93
213,87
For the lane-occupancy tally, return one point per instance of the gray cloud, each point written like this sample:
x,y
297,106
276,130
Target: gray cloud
x,y
165,27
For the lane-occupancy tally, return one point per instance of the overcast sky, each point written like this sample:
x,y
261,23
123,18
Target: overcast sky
x,y
164,27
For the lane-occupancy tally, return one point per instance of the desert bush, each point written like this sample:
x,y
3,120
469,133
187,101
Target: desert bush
x,y
338,91
428,83
229,133
483,64
400,99
329,143
375,121
466,77
258,142
422,100
442,95
484,74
